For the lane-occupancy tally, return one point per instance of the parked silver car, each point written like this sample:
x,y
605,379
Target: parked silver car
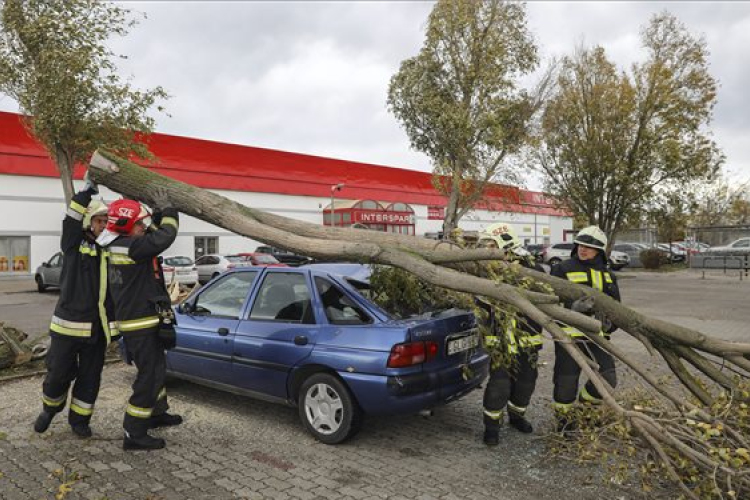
x,y
48,274
212,265
180,269
558,252
740,245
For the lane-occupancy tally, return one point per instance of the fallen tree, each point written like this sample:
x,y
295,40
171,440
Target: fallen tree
x,y
684,437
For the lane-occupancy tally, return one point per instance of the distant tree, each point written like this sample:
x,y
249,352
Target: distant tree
x,y
610,138
459,99
719,202
55,64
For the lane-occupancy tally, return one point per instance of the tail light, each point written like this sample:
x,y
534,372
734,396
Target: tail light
x,y
412,353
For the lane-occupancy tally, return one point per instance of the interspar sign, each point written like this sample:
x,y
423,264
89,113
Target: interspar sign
x,y
373,217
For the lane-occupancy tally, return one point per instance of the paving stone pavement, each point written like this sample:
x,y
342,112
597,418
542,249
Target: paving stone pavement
x,y
233,447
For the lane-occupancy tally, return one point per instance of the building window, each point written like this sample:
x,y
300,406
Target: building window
x,y
14,254
205,245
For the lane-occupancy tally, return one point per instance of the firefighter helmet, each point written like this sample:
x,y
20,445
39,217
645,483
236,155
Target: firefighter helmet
x,y
592,237
95,208
503,235
124,214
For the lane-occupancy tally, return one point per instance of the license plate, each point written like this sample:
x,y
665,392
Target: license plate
x,y
463,344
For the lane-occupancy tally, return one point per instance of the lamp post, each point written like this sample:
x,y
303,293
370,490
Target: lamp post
x,y
335,188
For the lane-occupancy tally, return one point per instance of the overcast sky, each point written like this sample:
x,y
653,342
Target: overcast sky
x,y
311,77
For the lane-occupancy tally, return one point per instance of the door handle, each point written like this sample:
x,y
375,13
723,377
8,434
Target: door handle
x,y
300,340
223,331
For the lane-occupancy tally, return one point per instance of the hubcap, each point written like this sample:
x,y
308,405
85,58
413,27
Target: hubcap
x,y
324,408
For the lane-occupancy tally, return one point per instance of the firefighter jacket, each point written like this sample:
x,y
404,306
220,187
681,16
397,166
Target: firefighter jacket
x,y
136,279
522,333
594,273
83,282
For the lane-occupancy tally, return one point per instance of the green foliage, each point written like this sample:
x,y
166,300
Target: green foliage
x,y
459,100
55,63
609,138
651,258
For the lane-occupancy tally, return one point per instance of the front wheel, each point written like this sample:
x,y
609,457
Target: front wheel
x,y
327,409
40,286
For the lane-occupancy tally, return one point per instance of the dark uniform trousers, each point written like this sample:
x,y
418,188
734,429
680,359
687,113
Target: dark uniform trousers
x,y
512,387
567,372
149,398
70,359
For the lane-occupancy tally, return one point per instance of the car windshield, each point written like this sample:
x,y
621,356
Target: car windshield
x,y
178,261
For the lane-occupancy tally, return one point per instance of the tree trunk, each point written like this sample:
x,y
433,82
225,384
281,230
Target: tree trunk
x,y
451,210
64,162
445,265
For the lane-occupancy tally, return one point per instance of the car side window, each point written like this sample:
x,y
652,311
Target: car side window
x,y
202,261
225,297
742,244
56,261
564,246
340,309
283,297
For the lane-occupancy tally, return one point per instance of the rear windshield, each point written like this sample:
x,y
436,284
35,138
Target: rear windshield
x,y
266,259
235,258
178,261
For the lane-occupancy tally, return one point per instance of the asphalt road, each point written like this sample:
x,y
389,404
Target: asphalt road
x,y
232,447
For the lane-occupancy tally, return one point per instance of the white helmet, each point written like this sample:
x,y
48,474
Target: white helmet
x,y
96,207
504,237
592,237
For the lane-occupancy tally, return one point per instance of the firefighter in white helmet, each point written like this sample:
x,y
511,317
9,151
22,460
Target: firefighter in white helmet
x,y
82,324
588,266
514,351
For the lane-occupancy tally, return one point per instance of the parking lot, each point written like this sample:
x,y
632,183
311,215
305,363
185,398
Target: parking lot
x,y
233,447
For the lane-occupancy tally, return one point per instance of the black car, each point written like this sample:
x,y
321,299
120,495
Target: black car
x,y
535,250
284,256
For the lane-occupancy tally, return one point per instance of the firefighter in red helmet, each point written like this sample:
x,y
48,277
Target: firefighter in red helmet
x,y
141,300
82,325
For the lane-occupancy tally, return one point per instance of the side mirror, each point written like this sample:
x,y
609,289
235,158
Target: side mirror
x,y
45,264
185,308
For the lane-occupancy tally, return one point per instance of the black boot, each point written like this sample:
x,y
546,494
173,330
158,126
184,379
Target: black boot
x,y
491,436
144,442
42,421
164,420
82,430
518,421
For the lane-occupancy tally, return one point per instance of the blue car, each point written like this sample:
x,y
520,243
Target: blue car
x,y
306,338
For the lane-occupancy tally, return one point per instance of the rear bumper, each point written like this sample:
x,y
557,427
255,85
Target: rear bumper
x,y
381,395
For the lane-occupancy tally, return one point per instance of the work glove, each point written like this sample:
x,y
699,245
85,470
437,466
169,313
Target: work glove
x,y
160,199
584,305
89,185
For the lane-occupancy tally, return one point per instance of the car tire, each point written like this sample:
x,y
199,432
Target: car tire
x,y
327,409
40,286
214,275
554,261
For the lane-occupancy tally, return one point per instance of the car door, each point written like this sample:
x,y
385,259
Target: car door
x,y
278,332
206,265
54,271
206,327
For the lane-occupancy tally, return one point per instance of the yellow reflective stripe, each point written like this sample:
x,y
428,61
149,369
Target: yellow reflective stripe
x,y
54,401
573,332
137,412
138,324
73,332
520,410
530,340
74,215
596,280
87,250
77,207
170,221
162,393
119,259
102,296
608,277
494,415
81,408
577,277
491,340
585,395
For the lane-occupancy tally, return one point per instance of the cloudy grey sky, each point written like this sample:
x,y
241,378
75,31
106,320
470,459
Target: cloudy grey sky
x,y
311,77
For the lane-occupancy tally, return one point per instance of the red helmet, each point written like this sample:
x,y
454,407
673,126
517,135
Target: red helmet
x,y
124,214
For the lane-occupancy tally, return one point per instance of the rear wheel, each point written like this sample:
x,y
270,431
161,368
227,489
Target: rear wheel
x,y
40,286
327,409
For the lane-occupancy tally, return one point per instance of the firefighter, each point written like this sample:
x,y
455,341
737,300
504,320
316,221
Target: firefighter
x,y
588,265
140,299
80,330
512,377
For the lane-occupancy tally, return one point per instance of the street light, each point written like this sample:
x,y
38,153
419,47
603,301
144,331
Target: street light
x,y
337,187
